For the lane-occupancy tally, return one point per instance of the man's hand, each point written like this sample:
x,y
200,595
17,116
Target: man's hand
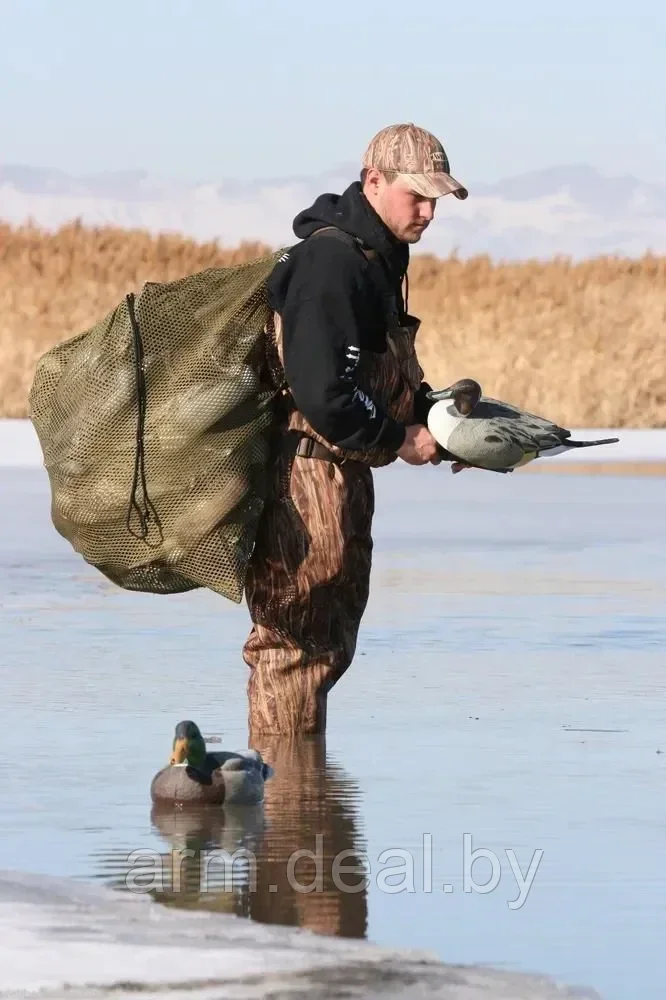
x,y
419,446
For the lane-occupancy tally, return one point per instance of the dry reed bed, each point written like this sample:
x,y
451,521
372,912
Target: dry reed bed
x,y
583,343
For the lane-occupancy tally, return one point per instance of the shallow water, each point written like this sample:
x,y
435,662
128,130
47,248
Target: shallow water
x,y
507,696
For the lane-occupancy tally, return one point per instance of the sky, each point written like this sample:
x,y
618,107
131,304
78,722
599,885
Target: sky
x,y
205,90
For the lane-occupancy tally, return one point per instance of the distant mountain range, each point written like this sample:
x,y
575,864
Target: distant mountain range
x,y
569,210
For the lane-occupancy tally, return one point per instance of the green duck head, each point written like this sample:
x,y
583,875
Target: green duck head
x,y
189,746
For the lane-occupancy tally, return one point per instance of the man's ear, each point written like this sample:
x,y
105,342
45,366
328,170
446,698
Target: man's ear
x,y
373,178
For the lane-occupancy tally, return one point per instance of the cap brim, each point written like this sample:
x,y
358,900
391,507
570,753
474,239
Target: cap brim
x,y
434,185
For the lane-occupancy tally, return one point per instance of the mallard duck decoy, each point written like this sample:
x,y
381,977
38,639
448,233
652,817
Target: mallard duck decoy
x,y
487,433
195,775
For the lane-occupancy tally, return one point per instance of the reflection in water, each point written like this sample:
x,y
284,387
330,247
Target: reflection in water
x,y
311,805
193,873
296,859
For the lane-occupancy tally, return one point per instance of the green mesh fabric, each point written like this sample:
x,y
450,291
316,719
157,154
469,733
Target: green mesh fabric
x,y
154,427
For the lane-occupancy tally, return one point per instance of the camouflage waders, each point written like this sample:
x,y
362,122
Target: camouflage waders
x,y
308,581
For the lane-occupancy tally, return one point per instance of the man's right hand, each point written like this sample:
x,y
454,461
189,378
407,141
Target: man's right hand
x,y
419,446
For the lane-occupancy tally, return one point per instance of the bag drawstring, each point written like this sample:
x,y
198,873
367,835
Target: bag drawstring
x,y
146,512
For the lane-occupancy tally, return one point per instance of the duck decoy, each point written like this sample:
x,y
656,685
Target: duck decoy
x,y
485,433
195,775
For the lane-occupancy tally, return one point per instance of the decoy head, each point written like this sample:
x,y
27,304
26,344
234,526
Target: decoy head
x,y
465,393
189,746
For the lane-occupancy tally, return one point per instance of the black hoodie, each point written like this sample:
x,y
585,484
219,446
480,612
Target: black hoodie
x,y
332,301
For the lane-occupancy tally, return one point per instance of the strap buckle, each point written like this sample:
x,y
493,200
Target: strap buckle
x,y
305,446
308,447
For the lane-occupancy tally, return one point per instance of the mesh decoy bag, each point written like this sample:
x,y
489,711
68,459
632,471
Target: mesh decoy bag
x,y
154,425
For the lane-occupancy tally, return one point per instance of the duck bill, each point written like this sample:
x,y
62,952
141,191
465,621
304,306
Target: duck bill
x,y
179,751
437,394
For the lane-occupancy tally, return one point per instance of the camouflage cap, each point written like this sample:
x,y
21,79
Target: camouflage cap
x,y
417,157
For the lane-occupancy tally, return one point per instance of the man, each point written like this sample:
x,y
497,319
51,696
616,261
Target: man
x,y
344,339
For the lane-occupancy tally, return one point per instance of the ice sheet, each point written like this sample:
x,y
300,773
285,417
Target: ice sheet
x,y
63,939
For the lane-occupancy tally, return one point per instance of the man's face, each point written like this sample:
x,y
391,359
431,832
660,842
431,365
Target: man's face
x,y
406,214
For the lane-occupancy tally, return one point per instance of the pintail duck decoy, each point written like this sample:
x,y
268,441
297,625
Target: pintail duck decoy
x,y
489,434
195,775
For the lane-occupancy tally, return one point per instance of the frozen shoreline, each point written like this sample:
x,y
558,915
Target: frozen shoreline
x,y
61,938
19,446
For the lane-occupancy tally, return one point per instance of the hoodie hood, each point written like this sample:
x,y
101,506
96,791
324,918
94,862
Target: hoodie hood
x,y
352,212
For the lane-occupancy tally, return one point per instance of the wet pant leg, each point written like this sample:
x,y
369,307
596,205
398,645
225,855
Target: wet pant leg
x,y
306,588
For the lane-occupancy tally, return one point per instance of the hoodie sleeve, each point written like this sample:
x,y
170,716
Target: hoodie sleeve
x,y
326,306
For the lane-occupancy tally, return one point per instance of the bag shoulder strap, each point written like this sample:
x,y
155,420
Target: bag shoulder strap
x,y
388,293
346,238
